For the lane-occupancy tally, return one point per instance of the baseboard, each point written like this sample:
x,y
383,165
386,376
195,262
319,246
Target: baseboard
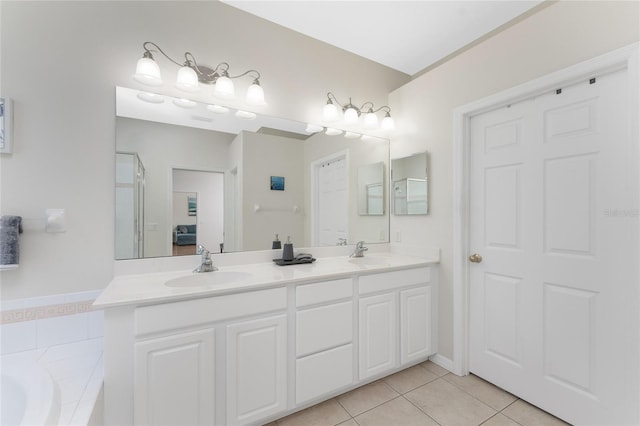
x,y
442,361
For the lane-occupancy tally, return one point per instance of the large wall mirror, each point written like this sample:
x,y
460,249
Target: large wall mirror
x,y
410,185
190,176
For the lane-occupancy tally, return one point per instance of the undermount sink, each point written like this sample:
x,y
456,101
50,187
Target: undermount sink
x,y
368,260
209,279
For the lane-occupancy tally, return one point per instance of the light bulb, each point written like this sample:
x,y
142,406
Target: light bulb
x,y
187,79
152,98
245,115
388,123
330,113
224,88
218,109
313,128
350,115
184,103
255,95
148,72
370,120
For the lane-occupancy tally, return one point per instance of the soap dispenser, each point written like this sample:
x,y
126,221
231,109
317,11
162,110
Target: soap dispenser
x,y
276,244
287,252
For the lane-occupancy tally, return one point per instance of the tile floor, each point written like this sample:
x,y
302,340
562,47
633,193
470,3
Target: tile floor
x,y
425,394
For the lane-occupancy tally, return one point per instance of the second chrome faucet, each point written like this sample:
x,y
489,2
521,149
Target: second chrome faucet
x,y
206,264
359,250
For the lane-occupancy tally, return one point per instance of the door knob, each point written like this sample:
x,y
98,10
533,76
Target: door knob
x,y
475,258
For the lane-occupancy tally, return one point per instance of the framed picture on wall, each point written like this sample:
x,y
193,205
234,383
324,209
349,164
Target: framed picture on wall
x,y
6,121
192,205
277,183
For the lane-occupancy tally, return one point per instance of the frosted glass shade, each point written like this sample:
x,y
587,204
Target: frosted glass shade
x,y
350,115
352,135
245,115
224,88
184,103
370,120
330,113
148,72
187,79
388,123
314,128
255,95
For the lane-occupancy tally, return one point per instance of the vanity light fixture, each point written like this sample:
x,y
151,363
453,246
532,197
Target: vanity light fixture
x,y
350,113
191,74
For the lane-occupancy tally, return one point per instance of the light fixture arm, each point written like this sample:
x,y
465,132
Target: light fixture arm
x,y
147,52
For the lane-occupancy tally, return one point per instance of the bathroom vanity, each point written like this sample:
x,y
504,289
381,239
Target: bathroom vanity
x,y
254,342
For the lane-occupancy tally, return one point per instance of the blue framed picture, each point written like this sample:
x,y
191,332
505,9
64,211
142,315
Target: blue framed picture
x,y
277,183
192,205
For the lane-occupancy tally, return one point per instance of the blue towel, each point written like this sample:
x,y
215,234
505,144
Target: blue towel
x,y
10,227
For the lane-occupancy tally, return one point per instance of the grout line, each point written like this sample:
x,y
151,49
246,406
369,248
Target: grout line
x,y
418,407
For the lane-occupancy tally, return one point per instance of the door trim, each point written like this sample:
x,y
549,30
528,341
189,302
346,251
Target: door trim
x,y
623,58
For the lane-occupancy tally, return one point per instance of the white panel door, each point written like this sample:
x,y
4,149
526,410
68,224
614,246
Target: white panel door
x,y
553,298
378,335
256,369
332,209
415,323
174,380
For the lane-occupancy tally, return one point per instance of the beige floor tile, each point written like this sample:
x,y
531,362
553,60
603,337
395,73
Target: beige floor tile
x,y
409,379
435,368
366,397
324,414
449,405
397,412
500,420
349,422
529,415
486,392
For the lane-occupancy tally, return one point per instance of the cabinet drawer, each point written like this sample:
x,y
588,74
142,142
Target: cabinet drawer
x,y
168,316
323,372
392,280
326,291
323,327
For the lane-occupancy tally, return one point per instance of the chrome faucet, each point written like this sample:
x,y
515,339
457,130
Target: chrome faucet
x,y
207,263
342,242
359,250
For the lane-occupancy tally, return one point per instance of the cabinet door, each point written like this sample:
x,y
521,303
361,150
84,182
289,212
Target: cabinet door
x,y
378,334
415,323
256,369
174,379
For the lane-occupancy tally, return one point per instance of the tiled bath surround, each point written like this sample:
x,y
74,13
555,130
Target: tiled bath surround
x,y
62,333
41,322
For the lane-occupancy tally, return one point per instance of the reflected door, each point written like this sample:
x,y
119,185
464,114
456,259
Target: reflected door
x,y
555,291
129,241
332,209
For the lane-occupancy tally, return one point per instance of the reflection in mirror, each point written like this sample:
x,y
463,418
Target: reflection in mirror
x,y
240,156
371,189
410,187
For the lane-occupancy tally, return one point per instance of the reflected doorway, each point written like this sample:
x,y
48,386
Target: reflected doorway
x,y
197,208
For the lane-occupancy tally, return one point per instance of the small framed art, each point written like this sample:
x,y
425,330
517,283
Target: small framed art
x,y
277,183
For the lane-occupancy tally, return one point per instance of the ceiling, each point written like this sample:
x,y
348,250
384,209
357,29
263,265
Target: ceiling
x,y
408,36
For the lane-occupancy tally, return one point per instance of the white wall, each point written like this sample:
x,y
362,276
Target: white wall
x,y
272,156
559,35
60,64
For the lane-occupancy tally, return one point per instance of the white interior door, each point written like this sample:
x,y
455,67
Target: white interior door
x,y
554,300
332,209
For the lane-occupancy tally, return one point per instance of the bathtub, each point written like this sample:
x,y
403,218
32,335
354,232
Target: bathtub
x,y
29,396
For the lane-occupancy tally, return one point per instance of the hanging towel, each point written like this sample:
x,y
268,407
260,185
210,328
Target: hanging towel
x,y
10,227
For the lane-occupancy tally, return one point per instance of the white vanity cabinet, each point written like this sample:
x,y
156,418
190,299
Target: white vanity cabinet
x,y
253,355
395,319
256,369
174,379
324,338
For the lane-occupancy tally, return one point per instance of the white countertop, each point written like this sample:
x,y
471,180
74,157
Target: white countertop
x,y
148,288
